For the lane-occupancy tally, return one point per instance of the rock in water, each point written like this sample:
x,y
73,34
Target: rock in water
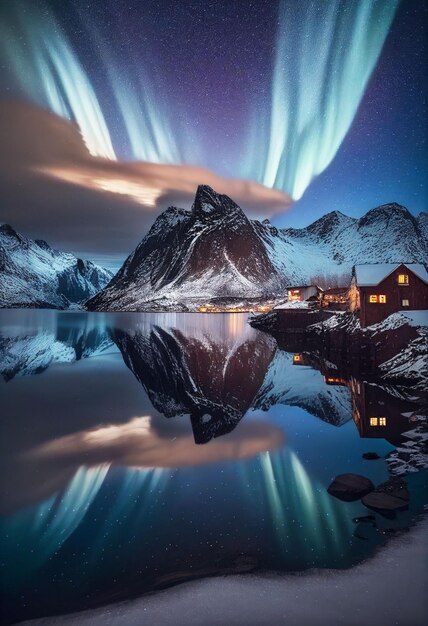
x,y
350,487
391,495
371,456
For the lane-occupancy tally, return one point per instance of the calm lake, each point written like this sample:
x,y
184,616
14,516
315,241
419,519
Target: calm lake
x,y
140,450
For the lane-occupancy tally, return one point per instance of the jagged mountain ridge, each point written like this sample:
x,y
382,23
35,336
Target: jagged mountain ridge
x,y
334,243
215,251
32,274
212,250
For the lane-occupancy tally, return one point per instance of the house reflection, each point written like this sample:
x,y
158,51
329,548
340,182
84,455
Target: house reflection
x,y
335,380
378,414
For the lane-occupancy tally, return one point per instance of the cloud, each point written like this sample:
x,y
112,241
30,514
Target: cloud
x,y
43,470
54,189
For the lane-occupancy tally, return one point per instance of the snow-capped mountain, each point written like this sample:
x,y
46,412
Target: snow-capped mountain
x,y
214,250
32,274
335,242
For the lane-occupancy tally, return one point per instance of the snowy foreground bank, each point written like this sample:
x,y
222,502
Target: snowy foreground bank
x,y
387,590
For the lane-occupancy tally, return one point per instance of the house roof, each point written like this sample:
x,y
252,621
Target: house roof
x,y
371,274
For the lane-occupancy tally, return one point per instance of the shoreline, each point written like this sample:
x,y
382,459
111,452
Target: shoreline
x,y
388,589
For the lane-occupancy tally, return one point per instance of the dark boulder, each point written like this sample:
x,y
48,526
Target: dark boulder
x,y
371,456
350,487
389,496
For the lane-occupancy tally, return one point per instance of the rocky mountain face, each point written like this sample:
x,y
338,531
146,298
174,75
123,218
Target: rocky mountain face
x,y
215,251
32,274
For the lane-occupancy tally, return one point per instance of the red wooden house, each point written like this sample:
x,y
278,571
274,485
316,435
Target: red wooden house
x,y
379,289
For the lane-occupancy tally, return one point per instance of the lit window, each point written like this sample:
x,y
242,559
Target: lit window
x,y
405,302
373,298
382,421
403,279
382,299
373,421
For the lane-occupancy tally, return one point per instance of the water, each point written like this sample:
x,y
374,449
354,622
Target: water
x,y
139,450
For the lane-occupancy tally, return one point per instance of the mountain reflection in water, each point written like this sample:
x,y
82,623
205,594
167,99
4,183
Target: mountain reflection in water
x,y
102,495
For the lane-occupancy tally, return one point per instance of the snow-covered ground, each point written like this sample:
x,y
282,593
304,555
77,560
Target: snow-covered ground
x,y
293,304
387,590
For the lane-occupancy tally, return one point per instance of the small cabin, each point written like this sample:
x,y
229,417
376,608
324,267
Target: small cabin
x,y
301,293
335,298
380,289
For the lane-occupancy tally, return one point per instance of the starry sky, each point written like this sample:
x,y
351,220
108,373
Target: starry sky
x,y
320,102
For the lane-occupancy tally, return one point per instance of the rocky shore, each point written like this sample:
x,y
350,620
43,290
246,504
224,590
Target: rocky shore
x,y
395,350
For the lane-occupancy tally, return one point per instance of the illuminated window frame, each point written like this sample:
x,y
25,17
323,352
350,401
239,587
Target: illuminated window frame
x,y
405,302
378,421
377,298
403,279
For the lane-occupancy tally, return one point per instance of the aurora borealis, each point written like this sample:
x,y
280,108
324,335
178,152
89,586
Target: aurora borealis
x,y
260,92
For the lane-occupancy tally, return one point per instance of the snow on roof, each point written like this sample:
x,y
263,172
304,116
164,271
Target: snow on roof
x,y
302,287
373,273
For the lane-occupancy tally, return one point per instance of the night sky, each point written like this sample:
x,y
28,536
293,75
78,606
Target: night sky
x,y
277,93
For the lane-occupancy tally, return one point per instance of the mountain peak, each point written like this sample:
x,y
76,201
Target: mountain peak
x,y
6,229
209,202
328,224
386,212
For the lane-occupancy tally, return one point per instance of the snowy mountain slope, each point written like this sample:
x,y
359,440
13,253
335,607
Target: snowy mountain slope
x,y
32,274
336,242
297,385
214,250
